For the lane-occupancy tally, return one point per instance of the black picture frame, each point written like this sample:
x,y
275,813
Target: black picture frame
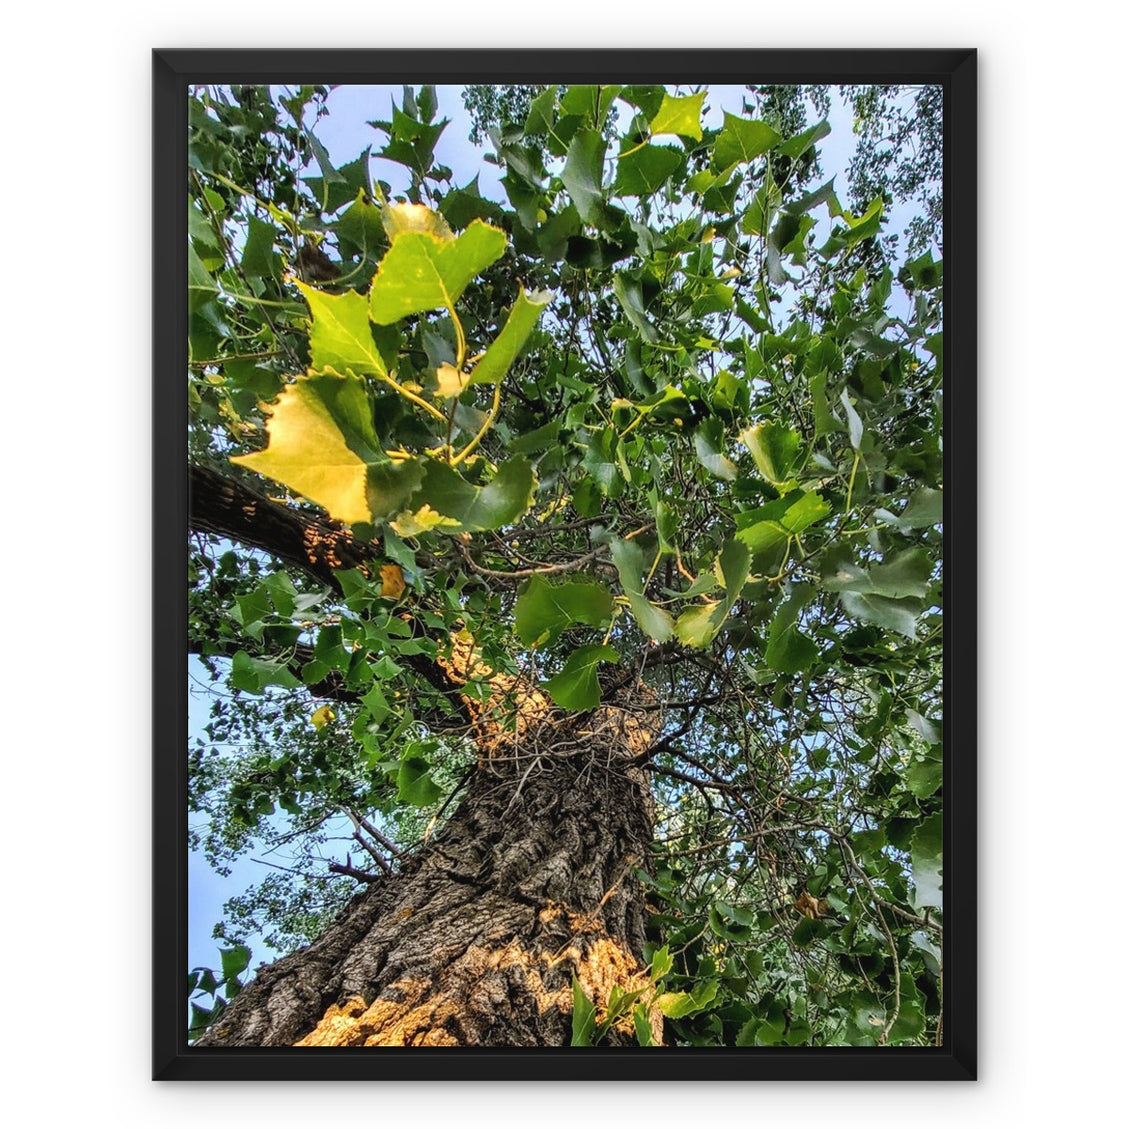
x,y
173,71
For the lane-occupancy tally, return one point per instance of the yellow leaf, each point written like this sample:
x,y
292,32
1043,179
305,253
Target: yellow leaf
x,y
322,716
400,218
391,581
451,382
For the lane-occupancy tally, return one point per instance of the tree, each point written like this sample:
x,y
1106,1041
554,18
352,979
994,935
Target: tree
x,y
580,555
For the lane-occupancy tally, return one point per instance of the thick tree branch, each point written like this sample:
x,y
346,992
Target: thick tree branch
x,y
229,508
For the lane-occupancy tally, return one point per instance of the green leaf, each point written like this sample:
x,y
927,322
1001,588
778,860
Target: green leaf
x,y
866,225
926,854
824,194
925,508
361,228
742,140
774,447
543,610
676,1005
924,776
201,285
805,932
808,509
733,566
894,615
630,564
630,296
643,1031
906,574
504,349
661,963
234,961
789,651
254,675
679,115
709,446
539,439
542,113
583,1016
576,686
258,260
590,102
462,506
922,273
825,422
414,782
583,175
341,333
697,626
766,539
758,217
427,270
798,145
643,171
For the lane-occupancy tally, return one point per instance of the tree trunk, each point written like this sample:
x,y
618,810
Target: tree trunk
x,y
476,939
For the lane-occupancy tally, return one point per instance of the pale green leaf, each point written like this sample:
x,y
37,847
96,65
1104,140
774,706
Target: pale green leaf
x,y
679,115
774,447
341,333
926,855
583,1016
427,271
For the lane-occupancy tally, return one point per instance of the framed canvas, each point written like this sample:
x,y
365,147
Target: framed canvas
x,y
571,673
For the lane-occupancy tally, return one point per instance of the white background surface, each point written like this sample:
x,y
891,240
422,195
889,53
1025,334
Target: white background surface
x,y
74,463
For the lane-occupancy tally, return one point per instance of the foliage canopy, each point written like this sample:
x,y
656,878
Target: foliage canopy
x,y
662,413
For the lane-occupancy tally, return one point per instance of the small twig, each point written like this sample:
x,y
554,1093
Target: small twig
x,y
353,872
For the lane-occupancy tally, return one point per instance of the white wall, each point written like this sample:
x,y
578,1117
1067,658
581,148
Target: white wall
x,y
76,464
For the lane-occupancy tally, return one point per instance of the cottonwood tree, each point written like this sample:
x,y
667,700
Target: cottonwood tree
x,y
579,554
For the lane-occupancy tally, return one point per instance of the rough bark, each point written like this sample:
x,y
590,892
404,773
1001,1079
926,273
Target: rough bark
x,y
476,939
228,508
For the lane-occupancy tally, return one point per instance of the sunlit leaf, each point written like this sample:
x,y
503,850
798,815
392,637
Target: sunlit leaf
x,y
322,716
774,447
341,333
425,270
680,115
323,446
